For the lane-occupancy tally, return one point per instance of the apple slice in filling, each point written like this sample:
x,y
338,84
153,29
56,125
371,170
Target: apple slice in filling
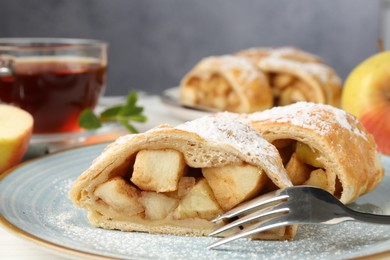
x,y
304,165
234,184
200,202
158,170
120,196
162,186
308,155
157,205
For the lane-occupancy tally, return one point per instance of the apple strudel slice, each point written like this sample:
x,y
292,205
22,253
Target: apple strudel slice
x,y
323,146
295,75
175,180
226,83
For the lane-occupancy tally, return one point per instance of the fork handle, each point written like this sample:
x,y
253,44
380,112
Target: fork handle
x,y
370,218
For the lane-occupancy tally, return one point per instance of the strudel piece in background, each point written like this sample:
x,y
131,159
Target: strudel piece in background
x,y
226,83
295,75
175,180
322,146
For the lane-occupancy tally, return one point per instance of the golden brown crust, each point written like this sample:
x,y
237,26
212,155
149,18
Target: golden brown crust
x,y
278,76
289,53
311,79
228,83
214,141
346,149
345,163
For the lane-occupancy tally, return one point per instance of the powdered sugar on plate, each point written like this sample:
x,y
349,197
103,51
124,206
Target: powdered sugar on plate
x,y
323,242
34,200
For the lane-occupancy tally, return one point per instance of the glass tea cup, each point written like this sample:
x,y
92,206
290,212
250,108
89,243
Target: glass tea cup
x,y
54,79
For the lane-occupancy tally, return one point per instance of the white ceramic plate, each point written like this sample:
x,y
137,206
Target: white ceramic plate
x,y
170,99
34,204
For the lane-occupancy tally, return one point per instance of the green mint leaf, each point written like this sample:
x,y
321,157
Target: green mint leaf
x,y
89,120
129,126
138,118
111,112
124,114
132,98
129,111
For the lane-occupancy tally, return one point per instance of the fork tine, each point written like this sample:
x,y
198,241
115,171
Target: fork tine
x,y
259,202
252,229
258,215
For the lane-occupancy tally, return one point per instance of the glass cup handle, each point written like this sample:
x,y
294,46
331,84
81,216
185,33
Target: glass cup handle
x,y
6,65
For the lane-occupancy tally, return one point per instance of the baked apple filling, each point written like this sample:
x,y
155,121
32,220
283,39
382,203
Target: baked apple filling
x,y
213,91
305,165
288,89
161,186
226,83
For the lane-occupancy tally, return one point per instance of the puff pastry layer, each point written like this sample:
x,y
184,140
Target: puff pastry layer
x,y
175,180
323,146
278,76
295,75
226,83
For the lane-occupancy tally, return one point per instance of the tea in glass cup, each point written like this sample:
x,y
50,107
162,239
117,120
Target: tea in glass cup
x,y
53,79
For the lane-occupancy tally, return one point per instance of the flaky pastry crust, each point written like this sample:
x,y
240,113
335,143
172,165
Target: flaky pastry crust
x,y
343,147
226,83
211,142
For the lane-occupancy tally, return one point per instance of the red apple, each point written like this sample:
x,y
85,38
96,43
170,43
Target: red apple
x,y
366,94
375,122
15,132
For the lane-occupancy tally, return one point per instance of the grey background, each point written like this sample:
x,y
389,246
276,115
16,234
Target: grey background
x,y
153,43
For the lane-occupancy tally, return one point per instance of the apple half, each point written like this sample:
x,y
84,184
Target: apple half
x,y
15,132
366,94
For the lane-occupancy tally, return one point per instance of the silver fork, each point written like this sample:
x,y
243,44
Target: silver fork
x,y
292,205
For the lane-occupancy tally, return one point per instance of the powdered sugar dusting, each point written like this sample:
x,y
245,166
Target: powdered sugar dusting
x,y
283,51
247,72
119,141
321,71
307,115
342,119
322,241
224,128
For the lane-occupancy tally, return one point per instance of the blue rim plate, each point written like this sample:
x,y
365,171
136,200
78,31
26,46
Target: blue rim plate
x,y
34,204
